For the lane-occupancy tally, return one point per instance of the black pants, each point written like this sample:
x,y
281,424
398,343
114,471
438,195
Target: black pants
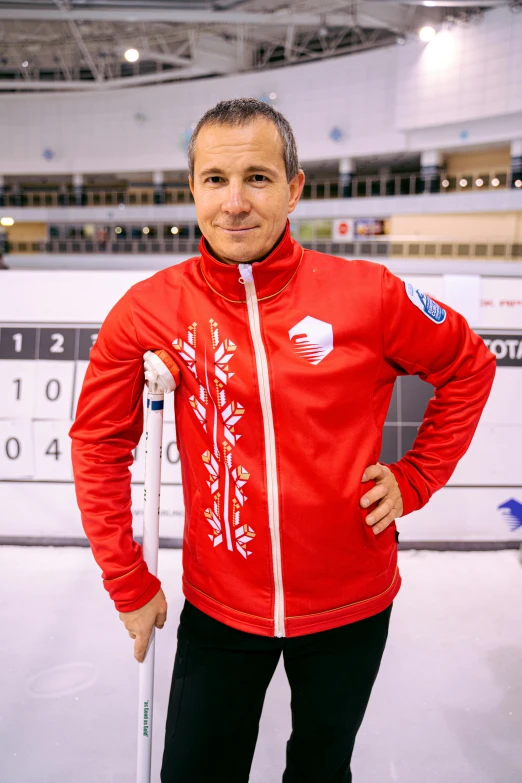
x,y
218,687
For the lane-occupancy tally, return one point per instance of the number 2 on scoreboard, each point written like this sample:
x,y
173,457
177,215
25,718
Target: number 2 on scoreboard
x,y
57,345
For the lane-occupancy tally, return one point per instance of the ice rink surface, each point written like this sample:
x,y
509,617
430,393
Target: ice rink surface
x,y
446,707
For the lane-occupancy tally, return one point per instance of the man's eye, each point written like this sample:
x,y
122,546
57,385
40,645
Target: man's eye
x,y
259,178
214,180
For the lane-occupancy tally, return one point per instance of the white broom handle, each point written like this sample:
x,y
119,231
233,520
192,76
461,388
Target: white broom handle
x,y
153,437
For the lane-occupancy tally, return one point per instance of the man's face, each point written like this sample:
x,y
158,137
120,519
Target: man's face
x,y
240,189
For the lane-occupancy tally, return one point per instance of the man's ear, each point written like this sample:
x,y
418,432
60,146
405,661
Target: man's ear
x,y
296,188
191,185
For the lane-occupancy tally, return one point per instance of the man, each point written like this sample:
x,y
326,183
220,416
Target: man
x,y
288,359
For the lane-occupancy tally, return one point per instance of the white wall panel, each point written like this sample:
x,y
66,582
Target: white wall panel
x,y
504,406
50,510
97,132
461,514
388,100
462,293
493,456
73,297
501,304
469,73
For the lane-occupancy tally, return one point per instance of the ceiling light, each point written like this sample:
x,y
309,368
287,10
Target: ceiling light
x,y
463,183
445,183
131,55
25,64
146,230
174,230
118,230
427,34
479,182
495,182
7,221
272,96
518,183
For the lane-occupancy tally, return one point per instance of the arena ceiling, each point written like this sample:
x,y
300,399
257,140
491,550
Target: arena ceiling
x,y
63,45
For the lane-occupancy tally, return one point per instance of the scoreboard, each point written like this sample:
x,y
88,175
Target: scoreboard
x,y
42,367
41,375
43,361
42,370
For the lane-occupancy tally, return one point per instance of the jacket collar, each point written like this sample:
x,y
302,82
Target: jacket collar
x,y
270,275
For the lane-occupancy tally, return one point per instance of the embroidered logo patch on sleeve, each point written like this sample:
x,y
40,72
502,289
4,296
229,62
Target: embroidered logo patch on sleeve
x,y
431,309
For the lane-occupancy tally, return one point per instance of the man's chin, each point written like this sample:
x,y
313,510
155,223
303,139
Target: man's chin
x,y
239,252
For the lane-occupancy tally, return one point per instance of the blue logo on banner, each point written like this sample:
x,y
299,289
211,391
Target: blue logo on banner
x,y
512,512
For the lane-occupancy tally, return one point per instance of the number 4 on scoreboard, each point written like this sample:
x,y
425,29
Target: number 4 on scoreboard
x,y
52,447
53,450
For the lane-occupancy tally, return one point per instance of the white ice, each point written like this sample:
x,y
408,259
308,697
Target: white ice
x,y
446,707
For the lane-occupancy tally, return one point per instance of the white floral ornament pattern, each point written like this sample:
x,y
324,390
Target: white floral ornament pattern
x,y
225,482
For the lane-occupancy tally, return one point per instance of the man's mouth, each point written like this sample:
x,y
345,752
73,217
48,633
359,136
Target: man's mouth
x,y
240,230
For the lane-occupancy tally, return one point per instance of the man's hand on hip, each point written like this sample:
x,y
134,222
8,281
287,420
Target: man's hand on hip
x,y
140,622
386,492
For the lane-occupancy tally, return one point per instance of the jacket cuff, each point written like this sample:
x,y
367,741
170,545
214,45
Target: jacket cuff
x,y
412,497
133,590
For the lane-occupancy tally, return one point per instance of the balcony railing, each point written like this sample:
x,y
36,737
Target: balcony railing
x,y
101,197
119,247
376,247
408,184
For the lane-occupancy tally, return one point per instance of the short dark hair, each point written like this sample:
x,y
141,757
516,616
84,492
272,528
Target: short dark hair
x,y
241,111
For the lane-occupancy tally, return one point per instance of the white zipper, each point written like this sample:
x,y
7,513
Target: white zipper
x,y
270,454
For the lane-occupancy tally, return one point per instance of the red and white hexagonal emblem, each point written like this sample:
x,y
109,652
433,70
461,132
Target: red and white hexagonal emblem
x,y
312,339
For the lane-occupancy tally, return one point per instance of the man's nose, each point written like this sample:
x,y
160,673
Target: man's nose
x,y
236,200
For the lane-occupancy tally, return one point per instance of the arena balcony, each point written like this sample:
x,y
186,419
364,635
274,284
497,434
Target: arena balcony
x,y
23,195
154,251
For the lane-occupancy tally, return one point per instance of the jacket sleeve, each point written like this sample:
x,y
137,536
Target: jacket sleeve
x,y
426,338
108,426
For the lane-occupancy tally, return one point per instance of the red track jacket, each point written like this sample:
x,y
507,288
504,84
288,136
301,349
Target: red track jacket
x,y
287,370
